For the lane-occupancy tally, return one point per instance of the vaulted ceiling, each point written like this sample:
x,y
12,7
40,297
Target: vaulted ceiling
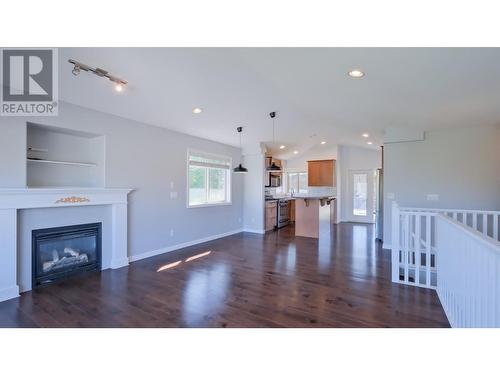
x,y
309,88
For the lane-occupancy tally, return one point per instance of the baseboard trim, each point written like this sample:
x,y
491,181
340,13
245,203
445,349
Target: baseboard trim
x,y
258,231
134,258
9,293
119,263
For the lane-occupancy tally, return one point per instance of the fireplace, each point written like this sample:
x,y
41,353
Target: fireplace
x,y
65,251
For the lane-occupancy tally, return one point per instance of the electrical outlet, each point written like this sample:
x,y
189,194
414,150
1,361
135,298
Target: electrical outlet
x,y
171,184
171,232
432,197
173,195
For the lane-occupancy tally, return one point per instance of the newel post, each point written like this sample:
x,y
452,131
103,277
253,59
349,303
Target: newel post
x,y
395,242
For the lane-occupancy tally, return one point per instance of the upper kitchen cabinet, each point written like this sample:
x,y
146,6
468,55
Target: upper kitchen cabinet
x,y
270,160
321,173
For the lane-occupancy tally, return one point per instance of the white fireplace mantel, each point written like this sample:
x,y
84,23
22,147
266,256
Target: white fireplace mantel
x,y
12,200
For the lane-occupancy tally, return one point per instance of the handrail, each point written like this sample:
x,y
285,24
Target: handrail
x,y
415,255
486,240
469,267
417,209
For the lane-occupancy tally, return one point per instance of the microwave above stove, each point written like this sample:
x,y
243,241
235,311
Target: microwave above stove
x,y
274,180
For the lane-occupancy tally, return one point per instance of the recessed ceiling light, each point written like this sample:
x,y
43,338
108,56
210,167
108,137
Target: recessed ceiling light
x,y
197,111
119,87
365,135
282,147
356,73
369,143
295,152
323,142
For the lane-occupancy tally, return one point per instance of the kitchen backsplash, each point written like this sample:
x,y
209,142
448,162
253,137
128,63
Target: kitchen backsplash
x,y
270,191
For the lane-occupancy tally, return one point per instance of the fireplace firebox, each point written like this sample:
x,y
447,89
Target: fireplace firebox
x,y
64,251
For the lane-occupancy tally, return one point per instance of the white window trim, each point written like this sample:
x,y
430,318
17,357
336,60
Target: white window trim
x,y
229,182
287,172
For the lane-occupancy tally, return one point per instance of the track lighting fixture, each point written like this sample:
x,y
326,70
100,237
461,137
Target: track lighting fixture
x,y
78,67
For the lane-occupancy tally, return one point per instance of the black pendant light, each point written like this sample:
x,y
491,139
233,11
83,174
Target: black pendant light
x,y
240,168
273,167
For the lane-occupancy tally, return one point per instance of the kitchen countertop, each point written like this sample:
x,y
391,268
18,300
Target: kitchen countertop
x,y
301,196
306,196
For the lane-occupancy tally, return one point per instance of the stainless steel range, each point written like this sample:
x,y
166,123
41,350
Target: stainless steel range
x,y
283,217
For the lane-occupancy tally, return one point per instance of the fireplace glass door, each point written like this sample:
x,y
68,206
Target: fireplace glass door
x,y
63,251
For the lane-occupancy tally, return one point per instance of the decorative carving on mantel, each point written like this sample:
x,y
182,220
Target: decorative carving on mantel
x,y
72,200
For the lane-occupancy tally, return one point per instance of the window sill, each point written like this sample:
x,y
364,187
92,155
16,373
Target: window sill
x,y
209,205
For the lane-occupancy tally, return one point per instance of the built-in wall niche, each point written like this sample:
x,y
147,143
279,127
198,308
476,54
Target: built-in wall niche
x,y
58,157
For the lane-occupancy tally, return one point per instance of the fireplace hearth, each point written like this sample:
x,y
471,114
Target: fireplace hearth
x,y
64,251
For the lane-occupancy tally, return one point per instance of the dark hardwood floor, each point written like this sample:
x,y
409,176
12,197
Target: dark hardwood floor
x,y
245,280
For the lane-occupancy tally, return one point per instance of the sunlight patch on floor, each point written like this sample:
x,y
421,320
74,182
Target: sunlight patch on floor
x,y
174,264
167,266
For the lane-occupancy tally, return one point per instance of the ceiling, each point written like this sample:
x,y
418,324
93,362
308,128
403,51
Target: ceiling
x,y
309,88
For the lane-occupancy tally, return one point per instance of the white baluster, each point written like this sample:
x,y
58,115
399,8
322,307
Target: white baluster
x,y
417,249
485,224
428,237
495,227
496,293
406,251
395,242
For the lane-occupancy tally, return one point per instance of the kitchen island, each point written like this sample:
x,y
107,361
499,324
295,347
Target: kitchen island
x,y
314,215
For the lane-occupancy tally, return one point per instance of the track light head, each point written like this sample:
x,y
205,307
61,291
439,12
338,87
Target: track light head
x,y
78,67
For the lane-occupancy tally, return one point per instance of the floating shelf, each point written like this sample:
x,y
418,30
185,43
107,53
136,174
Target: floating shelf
x,y
35,149
61,162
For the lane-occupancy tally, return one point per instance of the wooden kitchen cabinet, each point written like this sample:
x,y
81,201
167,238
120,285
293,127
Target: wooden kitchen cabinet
x,y
270,160
271,215
291,209
321,173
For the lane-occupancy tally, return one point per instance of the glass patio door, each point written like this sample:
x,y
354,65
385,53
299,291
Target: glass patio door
x,y
361,191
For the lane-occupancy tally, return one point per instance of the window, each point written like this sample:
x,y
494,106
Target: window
x,y
296,182
209,179
360,194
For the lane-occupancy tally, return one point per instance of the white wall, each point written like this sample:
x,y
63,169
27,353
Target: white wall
x,y
138,156
462,166
352,158
254,193
12,152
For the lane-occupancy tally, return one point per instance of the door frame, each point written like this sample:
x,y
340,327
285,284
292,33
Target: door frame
x,y
370,199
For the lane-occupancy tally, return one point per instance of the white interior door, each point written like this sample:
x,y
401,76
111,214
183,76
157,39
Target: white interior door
x,y
361,196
